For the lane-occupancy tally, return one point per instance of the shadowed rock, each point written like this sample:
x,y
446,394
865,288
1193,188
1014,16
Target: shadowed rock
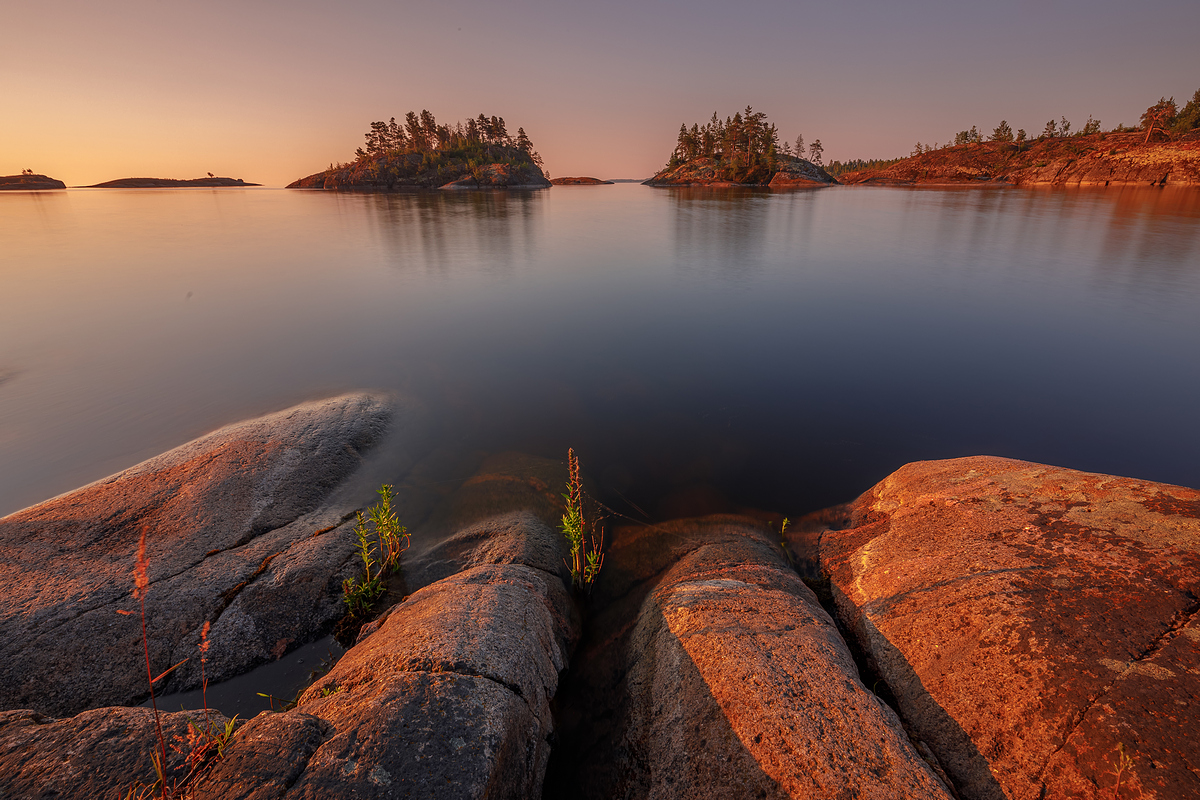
x,y
714,672
99,753
241,531
1033,622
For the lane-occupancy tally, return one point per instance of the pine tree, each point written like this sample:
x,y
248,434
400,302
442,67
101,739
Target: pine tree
x,y
816,151
1002,132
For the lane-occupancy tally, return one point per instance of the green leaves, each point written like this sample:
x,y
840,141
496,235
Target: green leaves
x,y
381,540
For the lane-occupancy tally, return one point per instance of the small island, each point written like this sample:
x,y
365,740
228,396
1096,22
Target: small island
x,y
579,182
421,154
742,150
211,182
29,181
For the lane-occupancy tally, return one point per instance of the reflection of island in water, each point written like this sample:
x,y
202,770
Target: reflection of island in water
x,y
436,231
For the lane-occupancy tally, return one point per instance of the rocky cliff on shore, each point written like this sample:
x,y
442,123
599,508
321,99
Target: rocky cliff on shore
x,y
975,628
29,182
788,171
1100,159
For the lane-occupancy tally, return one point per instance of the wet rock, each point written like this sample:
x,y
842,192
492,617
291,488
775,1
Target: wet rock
x,y
98,753
1037,625
242,532
713,671
506,513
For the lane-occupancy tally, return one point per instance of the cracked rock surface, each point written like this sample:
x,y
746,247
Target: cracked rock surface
x,y
449,694
1037,625
714,672
241,531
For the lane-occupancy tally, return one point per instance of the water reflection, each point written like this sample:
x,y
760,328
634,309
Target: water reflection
x,y
702,349
435,231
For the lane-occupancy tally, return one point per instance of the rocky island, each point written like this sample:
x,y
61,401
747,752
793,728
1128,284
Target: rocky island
x,y
976,628
209,182
579,182
29,181
421,154
742,150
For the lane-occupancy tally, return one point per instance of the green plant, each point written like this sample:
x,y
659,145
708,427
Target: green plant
x,y
381,540
585,540
783,541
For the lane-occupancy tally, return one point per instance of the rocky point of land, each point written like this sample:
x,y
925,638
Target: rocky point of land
x,y
245,529
1100,159
27,182
578,182
976,628
170,183
788,172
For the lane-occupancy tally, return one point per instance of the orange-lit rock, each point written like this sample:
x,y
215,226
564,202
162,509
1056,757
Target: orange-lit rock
x,y
714,673
1034,623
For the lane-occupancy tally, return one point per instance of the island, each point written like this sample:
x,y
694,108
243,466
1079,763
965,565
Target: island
x,y
579,182
29,181
742,150
210,182
1163,150
421,154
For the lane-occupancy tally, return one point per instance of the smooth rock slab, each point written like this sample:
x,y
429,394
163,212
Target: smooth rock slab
x,y
730,681
241,532
1033,622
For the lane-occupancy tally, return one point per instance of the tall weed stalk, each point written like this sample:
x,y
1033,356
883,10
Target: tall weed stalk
x,y
585,540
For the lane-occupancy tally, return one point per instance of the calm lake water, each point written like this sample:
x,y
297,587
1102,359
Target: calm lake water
x,y
701,349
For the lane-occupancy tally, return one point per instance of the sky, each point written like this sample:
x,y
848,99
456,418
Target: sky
x,y
270,91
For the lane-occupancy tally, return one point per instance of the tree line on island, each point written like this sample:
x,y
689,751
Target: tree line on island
x,y
744,147
1164,118
421,153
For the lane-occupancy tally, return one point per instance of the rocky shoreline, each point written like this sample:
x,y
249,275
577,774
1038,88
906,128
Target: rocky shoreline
x,y
170,183
1102,159
971,628
28,182
789,172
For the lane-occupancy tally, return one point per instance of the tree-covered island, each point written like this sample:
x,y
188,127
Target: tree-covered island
x,y
421,154
742,150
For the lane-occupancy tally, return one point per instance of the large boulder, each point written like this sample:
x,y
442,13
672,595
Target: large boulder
x,y
714,672
244,530
1038,626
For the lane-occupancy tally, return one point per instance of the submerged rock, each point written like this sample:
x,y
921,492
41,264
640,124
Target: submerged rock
x,y
241,532
1038,626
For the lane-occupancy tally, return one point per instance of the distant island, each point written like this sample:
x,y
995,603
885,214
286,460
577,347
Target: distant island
x,y
742,150
1163,150
29,181
421,154
579,182
167,183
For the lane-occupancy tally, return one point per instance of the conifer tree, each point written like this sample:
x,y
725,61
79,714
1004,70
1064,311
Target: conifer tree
x,y
1002,132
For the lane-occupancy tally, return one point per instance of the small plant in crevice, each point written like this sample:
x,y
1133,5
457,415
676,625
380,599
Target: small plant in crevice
x,y
204,745
585,538
783,542
1122,762
381,540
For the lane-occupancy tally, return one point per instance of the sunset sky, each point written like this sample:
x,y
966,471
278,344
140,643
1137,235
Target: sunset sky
x,y
270,91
